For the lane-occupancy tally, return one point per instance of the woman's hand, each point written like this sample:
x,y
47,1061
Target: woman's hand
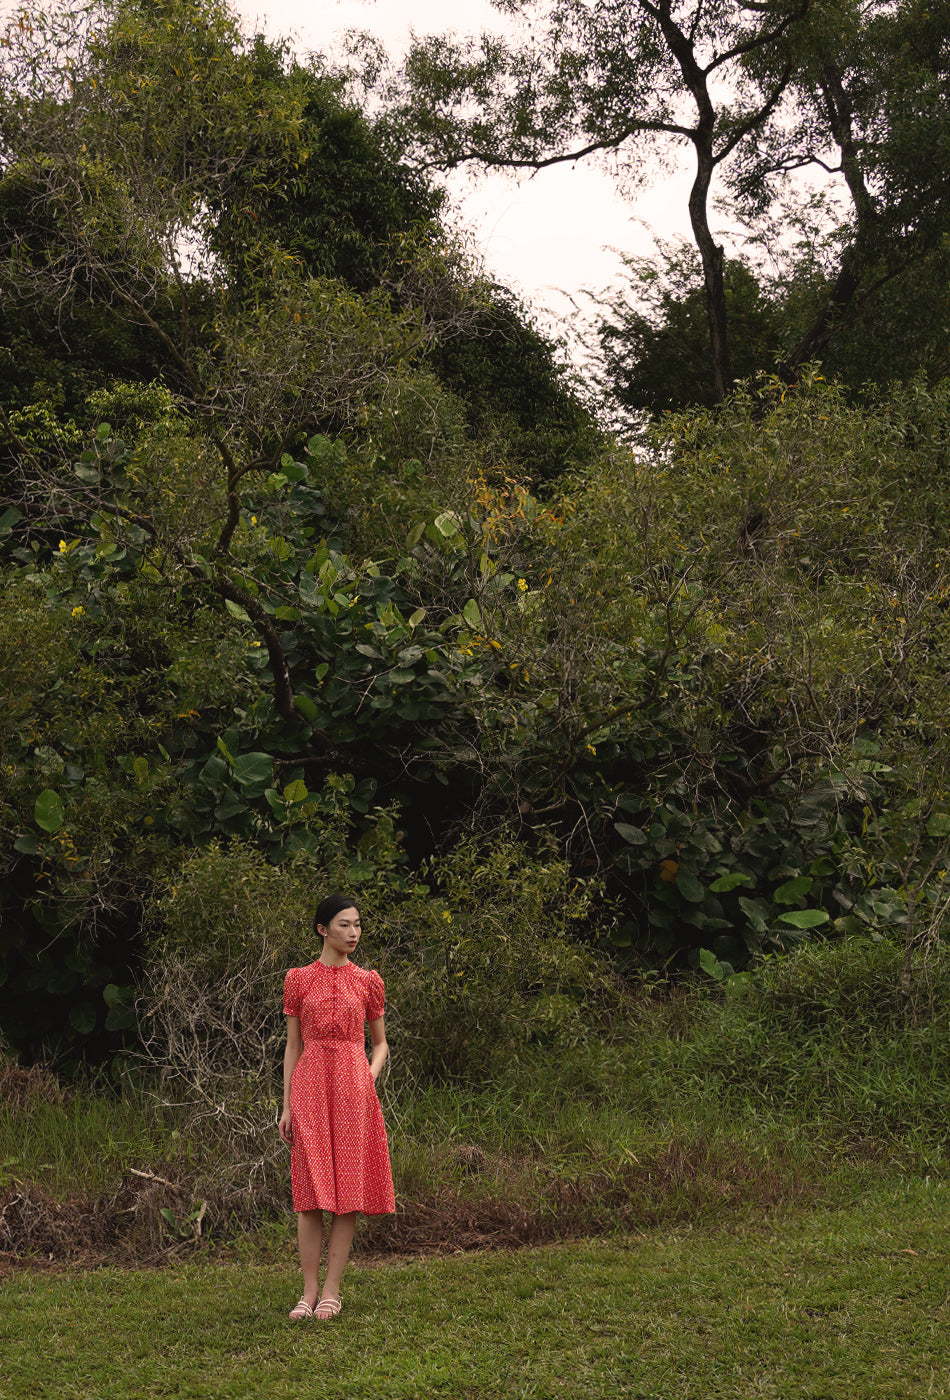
x,y
283,1127
377,1030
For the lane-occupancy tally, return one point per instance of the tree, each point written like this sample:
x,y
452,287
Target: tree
x,y
617,83
654,345
523,404
125,135
757,91
870,85
654,339
195,531
335,197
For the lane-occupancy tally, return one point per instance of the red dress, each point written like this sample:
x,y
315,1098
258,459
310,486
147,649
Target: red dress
x,y
339,1157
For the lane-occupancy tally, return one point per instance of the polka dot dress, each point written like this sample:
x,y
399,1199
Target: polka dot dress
x,y
339,1157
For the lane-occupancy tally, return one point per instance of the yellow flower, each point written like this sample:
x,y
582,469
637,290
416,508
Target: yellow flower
x,y
523,585
78,612
62,546
591,748
446,916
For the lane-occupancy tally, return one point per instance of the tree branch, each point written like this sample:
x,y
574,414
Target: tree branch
x,y
542,162
760,40
751,122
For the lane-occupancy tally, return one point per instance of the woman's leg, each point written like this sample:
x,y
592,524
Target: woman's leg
x,y
310,1242
338,1252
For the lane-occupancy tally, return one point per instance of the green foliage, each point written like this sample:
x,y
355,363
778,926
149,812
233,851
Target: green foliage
x,y
482,965
335,196
654,340
498,963
654,353
280,605
723,665
519,399
824,1037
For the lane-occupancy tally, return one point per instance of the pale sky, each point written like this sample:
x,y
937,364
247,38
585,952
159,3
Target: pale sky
x,y
545,235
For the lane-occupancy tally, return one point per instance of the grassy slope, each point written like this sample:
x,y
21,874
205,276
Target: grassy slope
x,y
847,1303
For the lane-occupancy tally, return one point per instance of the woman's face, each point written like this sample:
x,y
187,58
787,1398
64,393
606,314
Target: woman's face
x,y
342,933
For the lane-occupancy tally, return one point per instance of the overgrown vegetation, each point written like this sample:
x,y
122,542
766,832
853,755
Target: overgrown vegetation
x,y
318,572
795,1086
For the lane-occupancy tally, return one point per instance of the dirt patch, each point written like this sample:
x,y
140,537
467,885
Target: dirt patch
x,y
20,1087
153,1217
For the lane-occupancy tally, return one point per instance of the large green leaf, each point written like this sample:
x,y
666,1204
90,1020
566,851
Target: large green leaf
x,y
253,769
48,811
229,806
711,964
310,588
82,1017
472,616
120,1018
793,890
689,887
804,918
447,524
756,912
850,923
730,882
635,835
306,707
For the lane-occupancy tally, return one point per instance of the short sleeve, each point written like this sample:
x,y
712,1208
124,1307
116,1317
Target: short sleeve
x,y
375,997
292,992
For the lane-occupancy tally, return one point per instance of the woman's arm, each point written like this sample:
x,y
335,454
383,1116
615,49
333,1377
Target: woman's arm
x,y
292,1053
377,1030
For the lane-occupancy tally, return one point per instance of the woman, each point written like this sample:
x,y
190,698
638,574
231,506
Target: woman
x,y
339,1156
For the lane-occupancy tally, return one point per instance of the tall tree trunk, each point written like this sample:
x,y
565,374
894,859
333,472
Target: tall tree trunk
x,y
713,260
703,137
829,319
843,295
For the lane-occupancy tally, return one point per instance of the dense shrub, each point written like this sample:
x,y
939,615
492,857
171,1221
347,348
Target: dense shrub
x,y
488,964
822,1038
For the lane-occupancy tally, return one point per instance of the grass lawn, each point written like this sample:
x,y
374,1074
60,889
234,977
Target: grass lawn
x,y
844,1303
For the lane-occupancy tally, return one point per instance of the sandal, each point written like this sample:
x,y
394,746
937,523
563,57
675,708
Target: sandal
x,y
327,1308
300,1312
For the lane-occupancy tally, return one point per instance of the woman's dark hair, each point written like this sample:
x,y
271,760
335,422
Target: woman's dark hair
x,y
328,909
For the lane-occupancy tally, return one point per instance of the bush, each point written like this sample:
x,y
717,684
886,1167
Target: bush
x,y
497,965
821,1036
484,972
846,986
